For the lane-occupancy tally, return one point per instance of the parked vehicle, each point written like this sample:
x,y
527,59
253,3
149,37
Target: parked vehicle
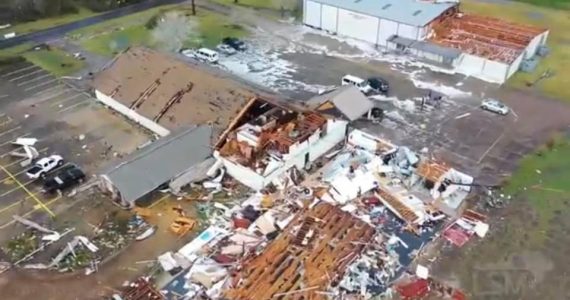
x,y
44,165
495,106
226,49
378,85
208,55
66,177
235,43
360,83
188,52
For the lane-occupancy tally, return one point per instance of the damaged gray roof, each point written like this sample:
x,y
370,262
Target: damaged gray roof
x,y
146,169
347,99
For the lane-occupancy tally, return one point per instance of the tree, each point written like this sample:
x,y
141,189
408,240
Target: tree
x,y
193,8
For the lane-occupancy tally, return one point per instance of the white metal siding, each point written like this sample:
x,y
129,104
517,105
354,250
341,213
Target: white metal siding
x,y
471,64
387,29
408,31
329,18
495,71
532,47
357,25
131,114
515,66
313,14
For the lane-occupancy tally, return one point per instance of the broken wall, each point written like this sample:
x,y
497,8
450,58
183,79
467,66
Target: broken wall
x,y
315,146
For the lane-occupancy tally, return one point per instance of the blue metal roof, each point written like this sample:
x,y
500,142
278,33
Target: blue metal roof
x,y
411,12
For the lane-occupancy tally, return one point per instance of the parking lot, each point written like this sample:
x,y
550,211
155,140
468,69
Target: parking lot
x,y
66,121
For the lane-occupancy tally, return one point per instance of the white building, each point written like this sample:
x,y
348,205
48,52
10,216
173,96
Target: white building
x,y
267,139
486,48
374,21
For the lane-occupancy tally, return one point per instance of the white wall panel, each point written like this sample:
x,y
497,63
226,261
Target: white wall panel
x,y
313,14
495,71
387,29
470,65
515,66
131,114
408,31
357,25
532,47
329,18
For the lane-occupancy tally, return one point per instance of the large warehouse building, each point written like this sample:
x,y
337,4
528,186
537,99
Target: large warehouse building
x,y
434,30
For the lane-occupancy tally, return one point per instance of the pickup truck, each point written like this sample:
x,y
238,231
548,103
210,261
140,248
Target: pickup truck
x,y
44,165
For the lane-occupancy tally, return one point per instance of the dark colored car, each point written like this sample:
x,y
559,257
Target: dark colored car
x,y
234,43
379,85
66,177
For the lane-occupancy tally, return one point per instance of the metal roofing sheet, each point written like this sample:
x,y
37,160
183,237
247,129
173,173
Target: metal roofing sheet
x,y
347,99
411,12
446,52
148,168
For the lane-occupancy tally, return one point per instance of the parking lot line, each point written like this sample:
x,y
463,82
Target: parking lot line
x,y
40,84
46,90
10,130
18,71
3,96
23,187
64,100
11,205
32,80
74,105
9,142
25,170
32,211
25,75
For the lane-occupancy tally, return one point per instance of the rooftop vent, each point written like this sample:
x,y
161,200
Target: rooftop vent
x,y
417,12
387,6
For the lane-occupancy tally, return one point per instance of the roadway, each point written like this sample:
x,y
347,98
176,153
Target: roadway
x,y
46,35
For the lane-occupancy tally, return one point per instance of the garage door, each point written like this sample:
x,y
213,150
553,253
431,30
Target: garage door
x,y
387,29
357,25
313,14
329,17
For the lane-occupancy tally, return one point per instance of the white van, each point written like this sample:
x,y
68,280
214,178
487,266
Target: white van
x,y
208,55
360,83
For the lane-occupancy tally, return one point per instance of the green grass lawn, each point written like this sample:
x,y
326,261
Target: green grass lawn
x,y
13,52
109,38
558,21
55,61
564,4
40,24
543,179
265,4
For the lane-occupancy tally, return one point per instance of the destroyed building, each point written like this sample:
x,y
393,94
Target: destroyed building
x,y
436,31
268,138
162,93
311,253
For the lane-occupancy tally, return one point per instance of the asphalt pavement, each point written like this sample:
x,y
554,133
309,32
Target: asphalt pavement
x,y
46,35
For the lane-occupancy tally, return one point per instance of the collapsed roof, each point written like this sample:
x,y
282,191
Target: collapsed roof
x,y
486,37
265,129
168,91
346,101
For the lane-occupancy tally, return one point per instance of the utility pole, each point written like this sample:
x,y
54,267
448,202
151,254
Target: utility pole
x,y
193,8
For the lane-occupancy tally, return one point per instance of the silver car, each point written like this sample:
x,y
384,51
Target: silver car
x,y
495,106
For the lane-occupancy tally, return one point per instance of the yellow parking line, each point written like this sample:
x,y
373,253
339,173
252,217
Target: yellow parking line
x,y
31,212
28,192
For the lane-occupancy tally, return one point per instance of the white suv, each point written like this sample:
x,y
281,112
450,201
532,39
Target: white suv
x,y
44,165
360,83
